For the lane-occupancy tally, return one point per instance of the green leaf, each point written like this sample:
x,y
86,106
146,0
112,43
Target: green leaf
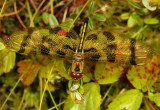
x,y
155,98
66,24
7,61
92,7
32,97
134,19
45,17
73,15
143,77
138,20
91,24
146,4
92,99
53,20
99,17
131,2
131,21
124,16
129,100
37,19
48,70
1,45
61,68
107,73
151,21
57,66
17,99
9,79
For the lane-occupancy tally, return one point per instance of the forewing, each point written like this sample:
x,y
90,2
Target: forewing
x,y
95,45
52,41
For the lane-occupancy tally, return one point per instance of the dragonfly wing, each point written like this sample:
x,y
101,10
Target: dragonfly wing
x,y
53,41
95,44
105,46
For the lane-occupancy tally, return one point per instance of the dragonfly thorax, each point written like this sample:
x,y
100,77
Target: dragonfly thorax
x,y
77,65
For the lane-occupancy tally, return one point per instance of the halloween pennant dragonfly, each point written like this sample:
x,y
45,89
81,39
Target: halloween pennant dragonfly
x,y
97,45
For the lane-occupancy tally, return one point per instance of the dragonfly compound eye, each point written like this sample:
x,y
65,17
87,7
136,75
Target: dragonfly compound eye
x,y
76,76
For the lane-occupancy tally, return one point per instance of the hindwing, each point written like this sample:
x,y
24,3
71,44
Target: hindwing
x,y
105,46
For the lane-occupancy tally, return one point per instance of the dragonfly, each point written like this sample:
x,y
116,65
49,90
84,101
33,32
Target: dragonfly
x,y
96,45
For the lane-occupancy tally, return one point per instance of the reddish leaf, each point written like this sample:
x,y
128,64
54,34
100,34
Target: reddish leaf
x,y
143,77
30,74
154,2
80,2
87,75
108,73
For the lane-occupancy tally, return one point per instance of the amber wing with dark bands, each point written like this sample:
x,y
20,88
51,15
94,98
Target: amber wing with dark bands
x,y
53,41
105,46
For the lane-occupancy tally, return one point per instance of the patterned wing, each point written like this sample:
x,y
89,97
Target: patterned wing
x,y
53,41
105,46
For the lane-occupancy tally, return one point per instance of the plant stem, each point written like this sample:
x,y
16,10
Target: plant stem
x,y
40,84
40,105
106,94
52,98
52,10
57,105
3,7
32,23
20,105
16,85
30,14
79,14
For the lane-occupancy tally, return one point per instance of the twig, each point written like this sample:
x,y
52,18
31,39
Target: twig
x,y
127,29
79,14
18,17
36,12
33,4
68,3
13,13
150,105
65,14
45,7
106,5
48,6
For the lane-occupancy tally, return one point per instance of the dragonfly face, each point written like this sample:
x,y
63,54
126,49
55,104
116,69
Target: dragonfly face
x,y
97,45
